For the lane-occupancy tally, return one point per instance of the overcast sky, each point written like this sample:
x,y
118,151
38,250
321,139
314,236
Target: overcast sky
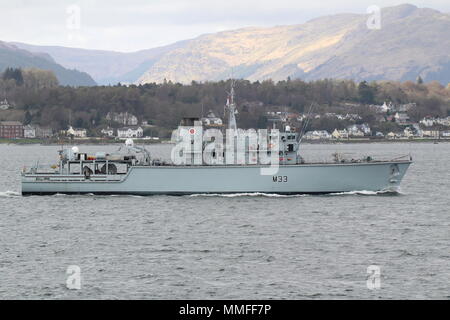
x,y
130,25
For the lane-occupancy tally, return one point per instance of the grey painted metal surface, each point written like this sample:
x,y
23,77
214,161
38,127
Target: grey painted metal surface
x,y
290,179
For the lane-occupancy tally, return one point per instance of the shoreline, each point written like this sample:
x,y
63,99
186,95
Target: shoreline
x,y
49,142
368,141
147,142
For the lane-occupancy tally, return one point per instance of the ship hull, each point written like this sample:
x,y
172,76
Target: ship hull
x,y
180,180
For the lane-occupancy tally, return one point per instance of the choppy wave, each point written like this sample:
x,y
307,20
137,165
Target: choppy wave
x,y
9,194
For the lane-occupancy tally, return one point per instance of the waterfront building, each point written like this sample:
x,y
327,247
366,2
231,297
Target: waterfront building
x,y
11,130
129,132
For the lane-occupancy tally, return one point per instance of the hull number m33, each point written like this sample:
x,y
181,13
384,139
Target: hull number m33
x,y
280,179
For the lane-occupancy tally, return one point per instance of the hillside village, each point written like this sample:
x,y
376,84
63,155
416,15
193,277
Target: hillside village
x,y
427,128
34,106
129,129
127,126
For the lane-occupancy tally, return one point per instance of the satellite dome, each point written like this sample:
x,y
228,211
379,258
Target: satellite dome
x,y
129,142
75,150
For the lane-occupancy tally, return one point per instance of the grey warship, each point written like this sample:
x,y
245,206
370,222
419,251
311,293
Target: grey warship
x,y
132,170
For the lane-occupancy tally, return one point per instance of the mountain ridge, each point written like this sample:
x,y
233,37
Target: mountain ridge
x,y
412,42
338,46
106,67
13,56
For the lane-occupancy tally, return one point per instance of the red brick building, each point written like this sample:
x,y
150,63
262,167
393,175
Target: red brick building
x,y
11,130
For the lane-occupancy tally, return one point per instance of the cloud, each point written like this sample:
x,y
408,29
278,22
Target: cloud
x,y
139,24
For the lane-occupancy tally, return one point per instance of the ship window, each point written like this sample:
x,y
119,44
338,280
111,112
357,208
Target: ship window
x,y
290,147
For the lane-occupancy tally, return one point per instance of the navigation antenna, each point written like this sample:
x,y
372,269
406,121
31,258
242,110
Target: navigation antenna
x,y
231,108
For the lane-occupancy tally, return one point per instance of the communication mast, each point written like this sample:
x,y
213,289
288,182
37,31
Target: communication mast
x,y
231,108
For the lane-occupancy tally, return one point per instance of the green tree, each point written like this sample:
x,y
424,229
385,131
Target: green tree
x,y
366,93
14,74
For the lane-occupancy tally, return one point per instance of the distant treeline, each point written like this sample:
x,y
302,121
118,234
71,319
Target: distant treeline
x,y
37,98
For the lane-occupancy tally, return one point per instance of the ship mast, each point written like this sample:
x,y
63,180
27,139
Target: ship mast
x,y
231,108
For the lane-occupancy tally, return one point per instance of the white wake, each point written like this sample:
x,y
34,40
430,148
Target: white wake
x,y
9,194
249,194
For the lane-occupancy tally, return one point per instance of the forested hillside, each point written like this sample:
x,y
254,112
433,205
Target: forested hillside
x,y
37,98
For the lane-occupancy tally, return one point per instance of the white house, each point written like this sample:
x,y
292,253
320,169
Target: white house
x,y
408,132
128,132
29,132
383,108
76,132
108,132
417,131
431,133
391,135
366,129
386,107
340,134
427,121
358,130
211,120
444,121
352,116
124,118
317,135
36,131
